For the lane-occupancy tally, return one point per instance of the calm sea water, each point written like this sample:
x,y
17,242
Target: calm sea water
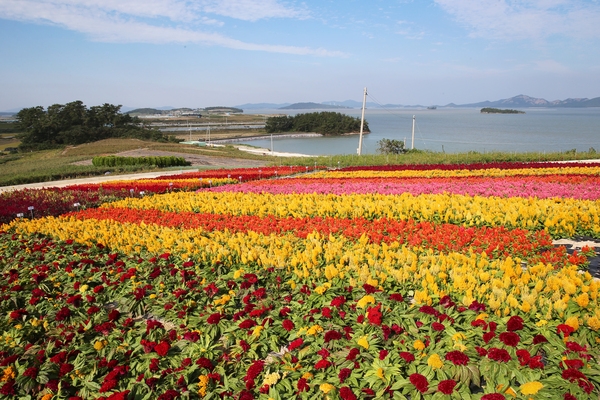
x,y
457,130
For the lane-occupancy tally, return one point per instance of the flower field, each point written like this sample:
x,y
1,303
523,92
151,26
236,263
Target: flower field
x,y
398,282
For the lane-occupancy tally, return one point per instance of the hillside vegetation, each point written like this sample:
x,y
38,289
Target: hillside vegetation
x,y
325,123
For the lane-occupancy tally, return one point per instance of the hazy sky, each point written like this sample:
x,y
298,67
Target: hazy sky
x,y
198,53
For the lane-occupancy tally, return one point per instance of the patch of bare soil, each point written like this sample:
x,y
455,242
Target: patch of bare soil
x,y
197,160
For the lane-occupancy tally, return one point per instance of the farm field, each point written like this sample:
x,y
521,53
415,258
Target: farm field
x,y
402,282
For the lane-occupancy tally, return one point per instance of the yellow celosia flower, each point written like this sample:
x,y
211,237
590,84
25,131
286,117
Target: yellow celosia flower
x,y
47,396
368,299
380,374
83,288
326,387
418,345
307,375
313,330
9,373
594,323
583,300
573,322
202,385
100,344
531,387
363,342
257,330
458,336
271,379
435,362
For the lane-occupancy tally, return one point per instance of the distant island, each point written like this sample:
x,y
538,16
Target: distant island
x,y
186,112
490,110
311,106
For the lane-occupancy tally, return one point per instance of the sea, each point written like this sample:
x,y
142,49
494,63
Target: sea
x,y
454,130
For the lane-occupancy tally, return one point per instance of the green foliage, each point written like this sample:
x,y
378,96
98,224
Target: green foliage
x,y
161,162
73,123
391,146
326,123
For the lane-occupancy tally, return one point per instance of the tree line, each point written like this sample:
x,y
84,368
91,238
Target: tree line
x,y
325,123
74,123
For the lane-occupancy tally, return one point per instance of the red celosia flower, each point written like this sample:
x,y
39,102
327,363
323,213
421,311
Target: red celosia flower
x,y
332,335
429,310
204,362
498,355
493,396
523,356
154,365
346,393
537,339
396,297
488,336
575,347
419,381
302,385
214,318
479,323
62,314
323,353
338,301
17,314
576,364
253,372
344,373
8,389
249,323
288,325
515,323
284,312
294,344
569,396
536,363
408,357
370,289
114,315
374,315
368,391
447,386
565,329
476,306
457,357
509,338
244,345
383,354
481,351
322,364
352,354
437,326
326,312
65,368
492,325
162,348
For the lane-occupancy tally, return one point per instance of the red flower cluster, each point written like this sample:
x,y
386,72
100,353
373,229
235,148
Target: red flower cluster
x,y
419,381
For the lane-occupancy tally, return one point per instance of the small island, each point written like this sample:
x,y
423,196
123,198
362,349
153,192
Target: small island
x,y
325,123
489,110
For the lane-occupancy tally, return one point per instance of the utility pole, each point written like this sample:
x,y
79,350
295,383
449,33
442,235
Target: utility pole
x,y
413,134
362,123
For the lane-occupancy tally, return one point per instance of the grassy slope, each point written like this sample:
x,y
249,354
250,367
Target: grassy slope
x,y
57,164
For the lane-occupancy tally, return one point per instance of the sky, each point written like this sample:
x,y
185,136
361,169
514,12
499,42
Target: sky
x,y
201,53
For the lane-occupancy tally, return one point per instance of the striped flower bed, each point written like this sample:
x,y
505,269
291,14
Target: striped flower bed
x,y
342,285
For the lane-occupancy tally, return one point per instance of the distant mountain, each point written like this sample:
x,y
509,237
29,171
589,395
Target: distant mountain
x,y
262,106
527,101
311,106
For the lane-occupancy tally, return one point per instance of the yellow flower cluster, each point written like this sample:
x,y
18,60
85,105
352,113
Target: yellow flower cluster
x,y
560,217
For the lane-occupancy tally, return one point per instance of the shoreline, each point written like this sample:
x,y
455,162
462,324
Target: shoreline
x,y
285,135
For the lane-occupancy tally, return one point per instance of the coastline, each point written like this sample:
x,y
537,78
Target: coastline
x,y
295,135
